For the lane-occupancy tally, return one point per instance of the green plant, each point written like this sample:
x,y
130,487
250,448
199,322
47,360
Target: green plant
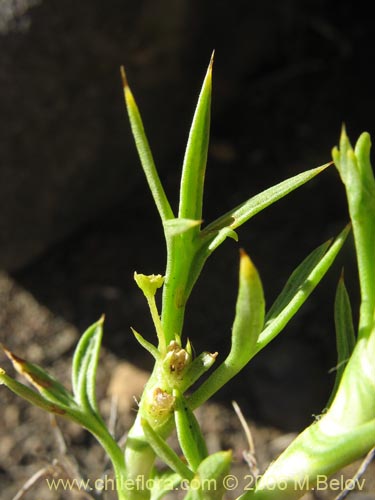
x,y
346,430
165,404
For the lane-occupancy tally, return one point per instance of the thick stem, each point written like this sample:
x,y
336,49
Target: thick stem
x,y
139,456
175,286
139,460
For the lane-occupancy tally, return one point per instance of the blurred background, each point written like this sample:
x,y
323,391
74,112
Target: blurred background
x,y
76,216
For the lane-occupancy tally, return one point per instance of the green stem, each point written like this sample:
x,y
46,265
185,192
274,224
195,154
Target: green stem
x,y
114,452
139,460
175,293
157,323
364,237
357,175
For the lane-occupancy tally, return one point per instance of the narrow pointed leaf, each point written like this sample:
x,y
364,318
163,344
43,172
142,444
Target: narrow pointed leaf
x,y
276,323
320,450
165,452
85,362
221,236
296,281
248,323
145,153
236,217
164,483
345,337
146,344
30,395
47,385
195,160
189,433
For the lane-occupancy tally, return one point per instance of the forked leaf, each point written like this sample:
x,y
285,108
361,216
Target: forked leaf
x,y
165,452
248,323
85,362
218,230
195,160
345,336
189,434
209,480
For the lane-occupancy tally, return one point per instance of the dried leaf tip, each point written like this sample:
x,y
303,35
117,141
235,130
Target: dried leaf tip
x,y
343,131
211,60
123,77
247,268
13,357
342,276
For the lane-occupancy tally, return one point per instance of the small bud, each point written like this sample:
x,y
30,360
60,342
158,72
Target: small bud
x,y
159,406
149,283
177,358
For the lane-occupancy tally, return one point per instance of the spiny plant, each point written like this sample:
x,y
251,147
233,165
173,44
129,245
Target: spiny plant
x,y
347,429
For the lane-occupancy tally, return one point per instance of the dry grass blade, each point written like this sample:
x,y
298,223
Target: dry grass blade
x,y
249,456
357,476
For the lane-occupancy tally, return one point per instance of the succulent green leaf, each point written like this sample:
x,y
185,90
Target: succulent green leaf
x,y
248,323
165,452
164,483
362,153
189,433
345,336
320,450
208,482
145,154
358,177
85,362
298,288
236,217
195,160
